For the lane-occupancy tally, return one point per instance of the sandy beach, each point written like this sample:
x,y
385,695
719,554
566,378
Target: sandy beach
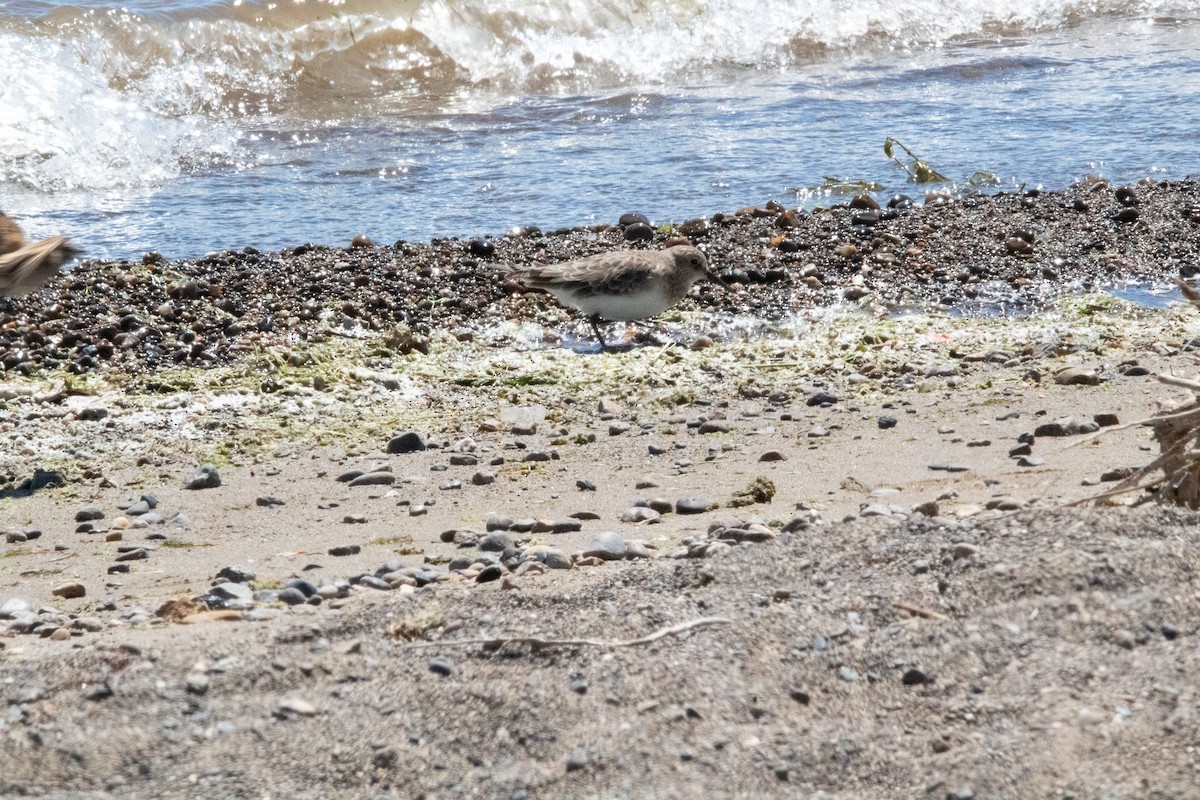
x,y
372,522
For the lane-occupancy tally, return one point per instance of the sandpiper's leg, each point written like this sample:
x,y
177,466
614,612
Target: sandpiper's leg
x,y
594,320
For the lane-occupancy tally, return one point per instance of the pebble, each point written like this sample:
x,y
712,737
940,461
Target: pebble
x,y
929,508
886,422
638,514
233,591
617,428
1065,426
964,550
371,582
495,542
267,501
440,665
408,442
694,505
237,574
297,706
817,432
345,550
821,398
483,478
205,477
377,478
492,572
1076,376
88,513
608,546
552,557
13,607
847,674
498,522
949,468
137,509
292,596
772,455
69,590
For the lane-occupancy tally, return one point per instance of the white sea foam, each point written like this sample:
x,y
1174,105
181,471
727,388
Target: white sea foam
x,y
110,98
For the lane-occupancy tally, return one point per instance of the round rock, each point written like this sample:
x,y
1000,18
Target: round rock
x,y
408,442
694,505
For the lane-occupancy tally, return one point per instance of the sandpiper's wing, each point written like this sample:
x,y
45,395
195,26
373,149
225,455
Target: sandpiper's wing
x,y
11,238
27,268
617,272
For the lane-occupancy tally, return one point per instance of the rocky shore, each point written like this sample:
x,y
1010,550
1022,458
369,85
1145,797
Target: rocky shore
x,y
372,522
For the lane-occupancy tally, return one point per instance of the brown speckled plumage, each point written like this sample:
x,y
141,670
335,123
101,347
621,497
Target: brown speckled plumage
x,y
622,285
26,266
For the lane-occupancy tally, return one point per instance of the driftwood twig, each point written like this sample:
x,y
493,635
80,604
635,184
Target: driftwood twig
x,y
498,641
918,611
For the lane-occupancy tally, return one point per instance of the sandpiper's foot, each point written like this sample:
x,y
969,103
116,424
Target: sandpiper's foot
x,y
594,321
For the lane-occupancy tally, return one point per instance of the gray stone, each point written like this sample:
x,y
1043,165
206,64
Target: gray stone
x,y
13,608
492,572
821,398
292,596
137,509
694,505
69,590
409,442
639,514
371,582
88,514
440,665
498,522
875,510
233,591
552,557
377,478
636,548
236,574
608,546
495,542
205,477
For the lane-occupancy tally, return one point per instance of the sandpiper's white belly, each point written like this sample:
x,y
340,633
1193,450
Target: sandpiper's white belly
x,y
638,304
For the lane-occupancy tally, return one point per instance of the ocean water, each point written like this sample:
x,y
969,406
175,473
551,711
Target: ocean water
x,y
186,126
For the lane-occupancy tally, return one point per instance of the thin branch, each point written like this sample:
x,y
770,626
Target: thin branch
x,y
1175,380
499,641
918,611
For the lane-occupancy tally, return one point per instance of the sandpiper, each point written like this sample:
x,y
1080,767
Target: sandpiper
x,y
25,266
620,286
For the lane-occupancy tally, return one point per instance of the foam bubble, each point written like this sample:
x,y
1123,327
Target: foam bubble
x,y
66,127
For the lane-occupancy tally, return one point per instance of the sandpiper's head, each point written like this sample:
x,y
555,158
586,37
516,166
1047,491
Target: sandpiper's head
x,y
693,263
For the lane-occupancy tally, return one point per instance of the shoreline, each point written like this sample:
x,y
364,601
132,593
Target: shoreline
x,y
888,442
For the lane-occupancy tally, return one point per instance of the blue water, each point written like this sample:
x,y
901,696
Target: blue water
x,y
184,128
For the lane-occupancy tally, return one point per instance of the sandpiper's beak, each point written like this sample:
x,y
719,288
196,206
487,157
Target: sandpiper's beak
x,y
715,278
